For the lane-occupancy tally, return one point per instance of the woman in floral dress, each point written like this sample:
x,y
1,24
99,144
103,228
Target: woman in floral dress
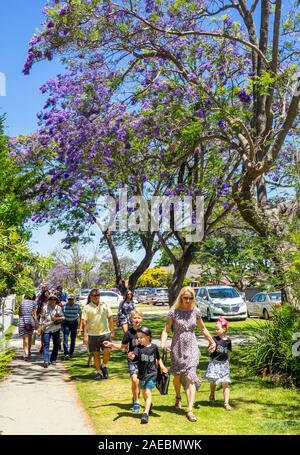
x,y
183,318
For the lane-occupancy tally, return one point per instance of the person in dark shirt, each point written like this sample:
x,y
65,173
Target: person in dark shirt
x,y
125,309
148,359
128,344
218,370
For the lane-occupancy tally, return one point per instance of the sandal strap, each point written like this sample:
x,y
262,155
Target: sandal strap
x,y
191,417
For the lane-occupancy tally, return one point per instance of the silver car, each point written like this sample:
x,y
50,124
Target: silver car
x,y
262,304
143,295
215,301
160,296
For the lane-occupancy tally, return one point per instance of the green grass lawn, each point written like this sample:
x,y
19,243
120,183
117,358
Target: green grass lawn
x,y
260,406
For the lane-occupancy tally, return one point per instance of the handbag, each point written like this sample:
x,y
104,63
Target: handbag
x,y
28,326
163,379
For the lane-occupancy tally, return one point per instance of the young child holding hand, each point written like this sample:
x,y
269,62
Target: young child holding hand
x,y
148,360
218,370
129,343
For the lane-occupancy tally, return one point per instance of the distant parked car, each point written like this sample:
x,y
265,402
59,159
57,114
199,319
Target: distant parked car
x,y
82,296
215,301
115,290
159,296
262,304
142,295
111,298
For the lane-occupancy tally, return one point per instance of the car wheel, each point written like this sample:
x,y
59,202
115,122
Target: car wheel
x,y
248,314
266,315
208,315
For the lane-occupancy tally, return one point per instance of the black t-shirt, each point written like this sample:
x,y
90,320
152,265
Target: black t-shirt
x,y
221,352
146,357
130,338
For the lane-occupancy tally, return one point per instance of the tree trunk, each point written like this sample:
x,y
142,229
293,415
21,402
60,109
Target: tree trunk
x,y
114,255
180,270
262,196
141,268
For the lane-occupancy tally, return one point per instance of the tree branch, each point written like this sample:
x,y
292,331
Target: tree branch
x,y
196,33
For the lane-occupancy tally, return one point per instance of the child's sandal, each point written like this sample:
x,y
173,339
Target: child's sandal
x,y
227,407
190,416
178,402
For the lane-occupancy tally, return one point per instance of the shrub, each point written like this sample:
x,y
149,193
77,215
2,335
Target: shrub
x,y
270,353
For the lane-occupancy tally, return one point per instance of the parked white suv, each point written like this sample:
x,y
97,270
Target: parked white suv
x,y
215,301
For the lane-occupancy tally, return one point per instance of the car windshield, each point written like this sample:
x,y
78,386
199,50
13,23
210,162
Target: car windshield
x,y
161,291
223,293
85,292
275,295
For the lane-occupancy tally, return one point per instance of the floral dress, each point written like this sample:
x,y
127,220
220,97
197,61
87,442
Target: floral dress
x,y
185,353
125,309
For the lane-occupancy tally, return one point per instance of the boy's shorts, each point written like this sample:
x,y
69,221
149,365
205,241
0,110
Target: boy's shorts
x,y
148,384
132,367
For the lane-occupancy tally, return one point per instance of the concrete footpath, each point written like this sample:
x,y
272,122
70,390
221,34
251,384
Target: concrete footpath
x,y
40,401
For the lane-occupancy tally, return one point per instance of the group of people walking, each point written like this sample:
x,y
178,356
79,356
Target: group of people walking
x,y
50,315
143,355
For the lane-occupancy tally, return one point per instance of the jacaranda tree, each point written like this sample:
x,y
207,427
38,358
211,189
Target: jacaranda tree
x,y
242,77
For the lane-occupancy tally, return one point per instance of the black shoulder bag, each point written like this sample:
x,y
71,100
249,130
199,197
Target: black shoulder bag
x,y
163,379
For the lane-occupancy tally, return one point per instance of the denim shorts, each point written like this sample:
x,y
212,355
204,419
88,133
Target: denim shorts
x,y
148,384
132,367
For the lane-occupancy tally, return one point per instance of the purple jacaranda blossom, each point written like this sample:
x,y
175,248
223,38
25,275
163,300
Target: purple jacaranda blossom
x,y
223,124
191,76
147,105
199,51
50,24
201,113
228,21
244,97
149,6
122,134
109,161
63,11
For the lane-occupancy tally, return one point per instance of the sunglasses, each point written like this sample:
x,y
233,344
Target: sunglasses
x,y
188,298
95,295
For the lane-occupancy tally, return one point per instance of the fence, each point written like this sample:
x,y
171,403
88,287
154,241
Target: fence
x,y
7,309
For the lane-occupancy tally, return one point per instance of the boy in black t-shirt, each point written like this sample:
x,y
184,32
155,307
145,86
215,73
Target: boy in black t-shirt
x,y
128,344
218,370
148,359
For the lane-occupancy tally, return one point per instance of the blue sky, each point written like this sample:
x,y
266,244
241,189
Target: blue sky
x,y
19,20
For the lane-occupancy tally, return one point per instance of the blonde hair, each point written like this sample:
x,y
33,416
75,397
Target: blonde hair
x,y
178,301
134,312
